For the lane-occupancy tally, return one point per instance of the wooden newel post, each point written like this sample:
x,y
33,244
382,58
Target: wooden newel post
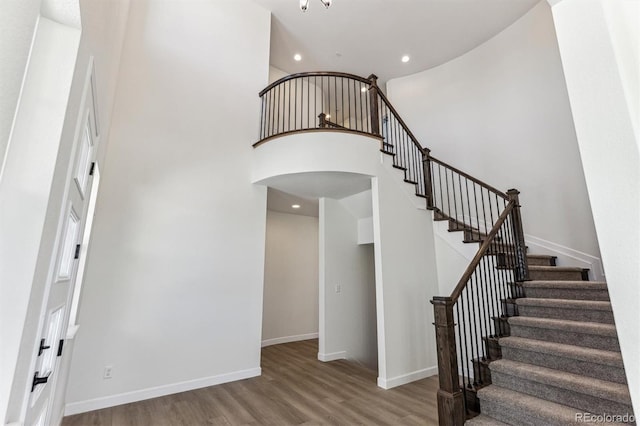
x,y
450,397
322,120
428,185
522,267
373,104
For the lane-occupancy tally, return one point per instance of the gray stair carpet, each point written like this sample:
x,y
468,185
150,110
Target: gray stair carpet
x,y
561,364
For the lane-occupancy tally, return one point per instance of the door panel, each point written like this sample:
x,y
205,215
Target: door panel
x,y
62,277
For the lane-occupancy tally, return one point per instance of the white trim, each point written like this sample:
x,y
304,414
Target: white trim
x,y
332,356
289,339
407,378
568,256
72,330
154,392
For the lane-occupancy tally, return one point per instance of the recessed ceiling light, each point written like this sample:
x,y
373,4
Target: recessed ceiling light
x,y
295,206
364,89
297,57
405,58
328,116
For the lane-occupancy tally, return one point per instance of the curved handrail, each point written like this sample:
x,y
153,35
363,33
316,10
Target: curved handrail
x,y
315,74
400,120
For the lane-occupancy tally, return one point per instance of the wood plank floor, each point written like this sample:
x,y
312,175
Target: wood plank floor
x,y
294,389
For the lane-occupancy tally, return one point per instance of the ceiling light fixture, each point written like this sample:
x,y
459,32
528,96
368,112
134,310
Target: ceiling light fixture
x,y
297,57
364,89
295,206
304,4
405,58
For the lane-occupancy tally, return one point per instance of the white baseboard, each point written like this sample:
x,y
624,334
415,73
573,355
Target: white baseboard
x,y
154,392
289,339
407,378
332,356
567,256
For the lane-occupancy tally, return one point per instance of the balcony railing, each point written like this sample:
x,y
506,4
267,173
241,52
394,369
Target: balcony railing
x,y
330,101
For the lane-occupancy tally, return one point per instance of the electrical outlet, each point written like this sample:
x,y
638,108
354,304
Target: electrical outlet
x,y
338,288
108,372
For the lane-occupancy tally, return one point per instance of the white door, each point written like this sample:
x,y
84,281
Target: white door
x,y
62,274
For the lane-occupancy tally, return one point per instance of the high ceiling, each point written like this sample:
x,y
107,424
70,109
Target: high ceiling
x,y
371,36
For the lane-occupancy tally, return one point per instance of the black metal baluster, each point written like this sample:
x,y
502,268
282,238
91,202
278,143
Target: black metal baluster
x,y
472,328
441,191
465,321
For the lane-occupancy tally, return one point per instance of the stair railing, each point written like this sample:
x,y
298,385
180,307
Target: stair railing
x,y
470,319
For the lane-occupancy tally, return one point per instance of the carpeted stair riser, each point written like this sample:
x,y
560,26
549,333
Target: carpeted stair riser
x,y
589,369
555,273
518,409
509,307
492,347
572,314
507,412
481,372
566,337
532,260
501,326
570,397
547,290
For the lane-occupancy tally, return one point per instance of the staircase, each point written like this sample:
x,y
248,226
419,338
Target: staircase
x,y
560,360
555,358
520,341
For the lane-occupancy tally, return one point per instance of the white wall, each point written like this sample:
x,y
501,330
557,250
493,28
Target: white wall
x,y
173,286
501,113
290,309
347,288
595,57
18,21
406,280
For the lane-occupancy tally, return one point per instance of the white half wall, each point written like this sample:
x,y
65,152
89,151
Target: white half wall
x,y
347,289
174,278
406,281
598,46
290,307
501,113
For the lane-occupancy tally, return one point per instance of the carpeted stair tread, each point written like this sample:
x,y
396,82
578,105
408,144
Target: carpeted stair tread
x,y
564,289
575,284
565,273
525,410
595,305
568,381
483,420
569,309
608,330
596,356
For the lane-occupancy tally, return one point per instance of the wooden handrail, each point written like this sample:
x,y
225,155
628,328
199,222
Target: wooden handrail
x,y
314,74
471,178
482,251
400,120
